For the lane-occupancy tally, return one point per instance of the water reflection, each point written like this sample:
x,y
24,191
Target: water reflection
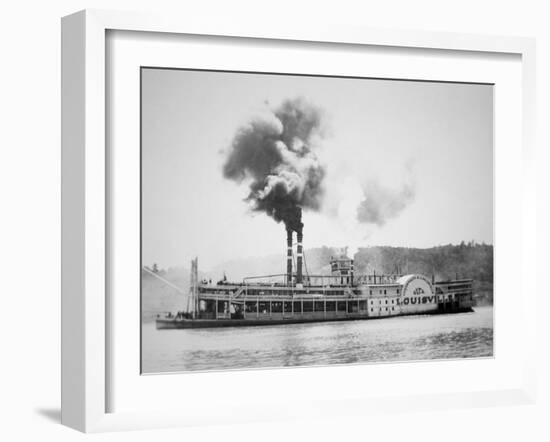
x,y
391,339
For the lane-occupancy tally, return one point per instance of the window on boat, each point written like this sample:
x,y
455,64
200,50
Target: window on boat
x,y
265,307
288,306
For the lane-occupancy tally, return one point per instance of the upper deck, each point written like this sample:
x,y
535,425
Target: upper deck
x,y
325,286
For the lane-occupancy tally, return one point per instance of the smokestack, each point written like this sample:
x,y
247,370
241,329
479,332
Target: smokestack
x,y
352,272
300,255
289,255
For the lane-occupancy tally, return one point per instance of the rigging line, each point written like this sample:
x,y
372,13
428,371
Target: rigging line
x,y
165,281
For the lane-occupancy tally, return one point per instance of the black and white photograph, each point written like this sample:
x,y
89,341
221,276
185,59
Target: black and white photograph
x,y
298,220
232,221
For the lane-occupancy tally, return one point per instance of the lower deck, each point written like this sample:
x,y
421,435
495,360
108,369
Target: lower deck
x,y
278,319
222,308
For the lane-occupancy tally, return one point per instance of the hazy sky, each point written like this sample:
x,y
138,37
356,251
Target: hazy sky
x,y
421,152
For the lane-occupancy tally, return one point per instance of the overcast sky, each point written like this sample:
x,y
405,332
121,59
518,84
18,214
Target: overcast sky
x,y
422,152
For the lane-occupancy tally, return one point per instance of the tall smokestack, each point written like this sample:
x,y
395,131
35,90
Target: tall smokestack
x,y
300,255
289,255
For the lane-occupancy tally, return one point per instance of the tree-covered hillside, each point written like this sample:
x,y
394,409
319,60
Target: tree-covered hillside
x,y
471,260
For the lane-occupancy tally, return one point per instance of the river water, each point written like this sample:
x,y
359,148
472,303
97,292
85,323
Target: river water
x,y
463,335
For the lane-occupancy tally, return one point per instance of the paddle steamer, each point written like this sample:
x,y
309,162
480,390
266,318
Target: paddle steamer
x,y
297,297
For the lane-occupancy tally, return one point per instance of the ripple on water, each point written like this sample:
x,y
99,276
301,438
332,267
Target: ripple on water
x,y
394,339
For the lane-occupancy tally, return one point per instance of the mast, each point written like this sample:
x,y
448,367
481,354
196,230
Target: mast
x,y
193,289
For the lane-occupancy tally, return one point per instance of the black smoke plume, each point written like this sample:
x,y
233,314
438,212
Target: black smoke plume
x,y
276,152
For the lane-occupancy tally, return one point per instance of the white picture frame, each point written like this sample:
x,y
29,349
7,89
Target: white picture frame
x,y
85,307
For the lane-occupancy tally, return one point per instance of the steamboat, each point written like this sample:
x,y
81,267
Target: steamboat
x,y
298,297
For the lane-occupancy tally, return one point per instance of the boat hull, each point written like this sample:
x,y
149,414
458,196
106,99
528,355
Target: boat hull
x,y
173,323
